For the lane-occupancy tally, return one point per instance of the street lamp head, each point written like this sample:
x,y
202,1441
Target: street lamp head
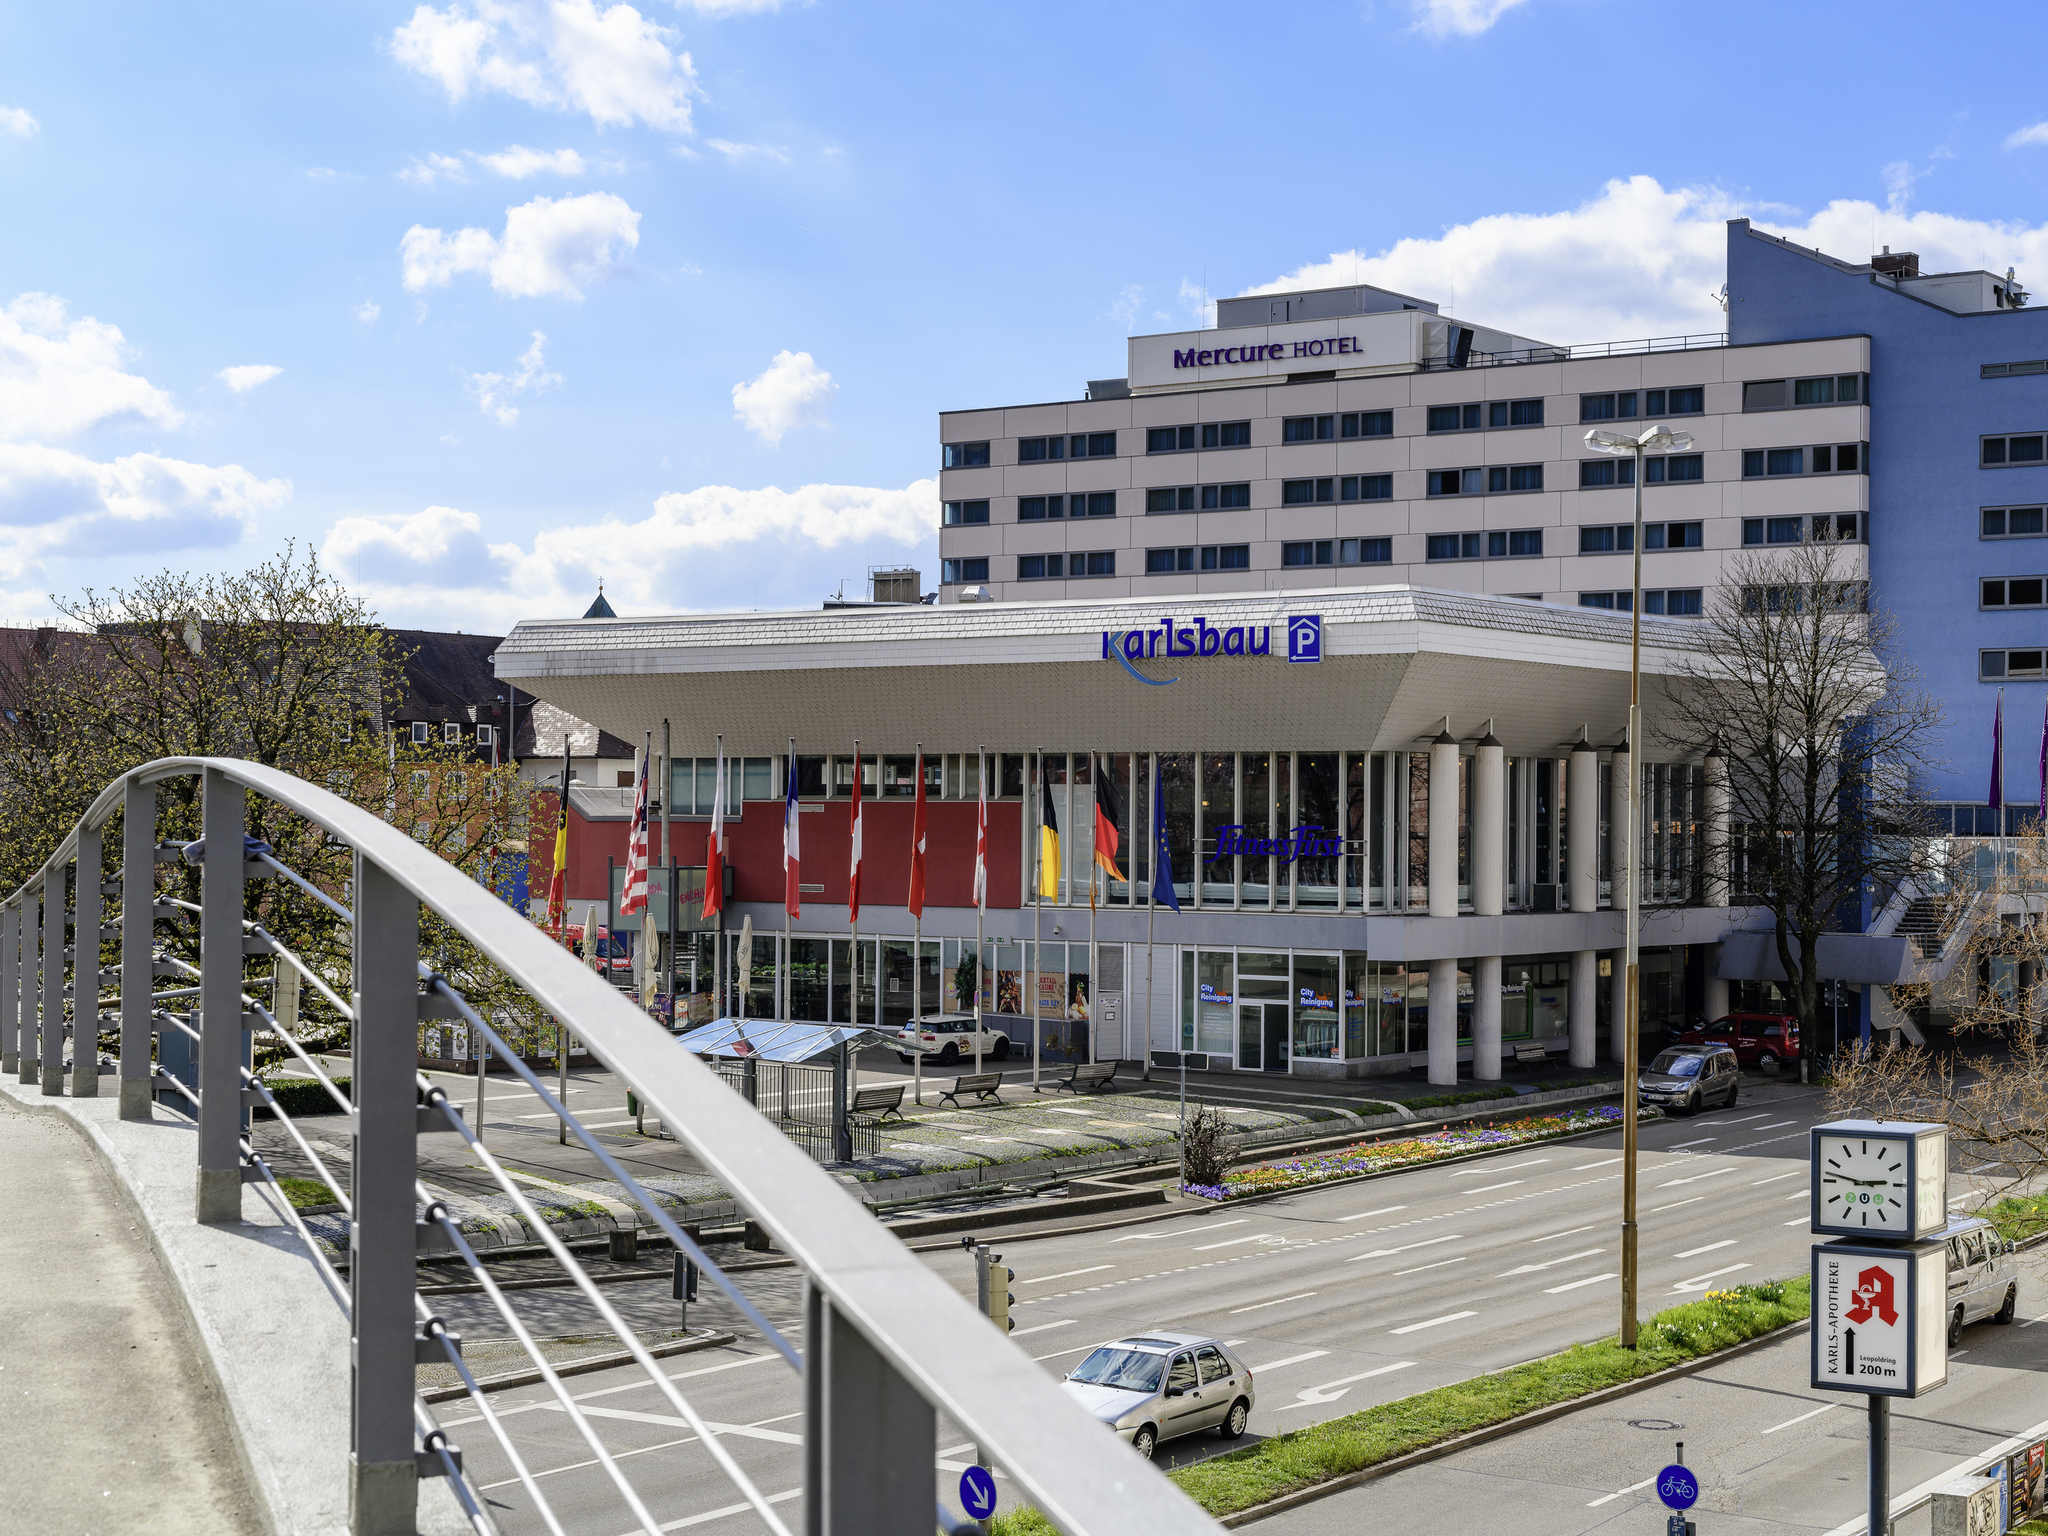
x,y
1601,441
1649,440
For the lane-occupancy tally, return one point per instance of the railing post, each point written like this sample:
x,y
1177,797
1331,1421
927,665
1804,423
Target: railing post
x,y
867,1434
51,1073
28,927
138,932
10,989
384,1238
220,1001
85,968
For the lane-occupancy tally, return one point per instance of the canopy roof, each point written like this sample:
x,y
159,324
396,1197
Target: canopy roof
x,y
770,1039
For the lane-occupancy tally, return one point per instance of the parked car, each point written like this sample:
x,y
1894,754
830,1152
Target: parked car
x,y
948,1038
1758,1039
1687,1078
1982,1278
1154,1387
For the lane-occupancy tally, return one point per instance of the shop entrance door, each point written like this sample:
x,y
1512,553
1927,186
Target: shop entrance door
x,y
1262,1037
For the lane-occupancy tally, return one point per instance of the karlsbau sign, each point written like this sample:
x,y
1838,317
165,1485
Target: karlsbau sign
x,y
1200,639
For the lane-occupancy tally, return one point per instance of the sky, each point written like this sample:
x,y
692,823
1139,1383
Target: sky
x,y
491,301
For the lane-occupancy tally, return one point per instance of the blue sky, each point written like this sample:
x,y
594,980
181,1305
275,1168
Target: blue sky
x,y
491,299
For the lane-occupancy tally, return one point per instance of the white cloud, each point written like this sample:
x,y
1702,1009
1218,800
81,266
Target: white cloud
x,y
439,558
1198,302
425,170
567,55
778,398
2033,136
732,7
19,122
244,377
1641,259
1459,18
59,376
737,152
1129,300
551,247
516,162
366,313
496,392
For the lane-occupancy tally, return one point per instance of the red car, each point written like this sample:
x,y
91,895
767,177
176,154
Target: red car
x,y
1758,1039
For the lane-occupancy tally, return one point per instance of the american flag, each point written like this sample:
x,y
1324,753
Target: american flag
x,y
634,897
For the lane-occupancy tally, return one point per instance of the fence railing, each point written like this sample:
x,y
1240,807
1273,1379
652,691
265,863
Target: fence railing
x,y
887,1350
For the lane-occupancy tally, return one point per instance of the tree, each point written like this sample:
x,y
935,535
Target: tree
x,y
1798,688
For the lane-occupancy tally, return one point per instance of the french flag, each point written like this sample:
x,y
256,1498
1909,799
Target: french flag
x,y
791,901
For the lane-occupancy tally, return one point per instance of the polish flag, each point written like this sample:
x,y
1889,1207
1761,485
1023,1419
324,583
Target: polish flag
x,y
853,861
714,846
917,846
791,901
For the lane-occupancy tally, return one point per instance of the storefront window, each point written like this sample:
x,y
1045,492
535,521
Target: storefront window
x,y
1215,1002
1077,827
1116,773
1315,1007
895,984
1390,1009
808,993
1177,786
1357,1005
1379,827
1418,830
1355,849
1219,810
1315,876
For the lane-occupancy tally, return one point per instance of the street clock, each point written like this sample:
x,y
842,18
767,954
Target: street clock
x,y
1880,1179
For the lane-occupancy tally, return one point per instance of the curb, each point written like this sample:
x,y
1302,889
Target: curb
x,y
1506,1427
714,1339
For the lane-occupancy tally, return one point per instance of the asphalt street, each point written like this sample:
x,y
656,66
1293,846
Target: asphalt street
x,y
1337,1299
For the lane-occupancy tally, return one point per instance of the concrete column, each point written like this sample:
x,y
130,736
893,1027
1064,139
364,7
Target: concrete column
x,y
1486,1018
1617,1005
1584,1014
1582,850
1624,806
1443,1022
1714,999
1717,808
1443,826
1489,827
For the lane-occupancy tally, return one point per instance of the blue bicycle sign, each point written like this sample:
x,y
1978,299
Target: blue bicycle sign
x,y
1677,1487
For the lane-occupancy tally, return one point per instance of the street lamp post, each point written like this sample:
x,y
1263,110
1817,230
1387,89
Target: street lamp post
x,y
1633,447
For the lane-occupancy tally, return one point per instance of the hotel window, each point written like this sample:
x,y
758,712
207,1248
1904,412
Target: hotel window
x,y
1081,445
965,456
1823,459
1602,539
1514,413
1495,544
1094,504
2013,370
1822,527
1211,434
1824,389
1597,474
2011,592
1039,509
1997,666
1669,602
1663,469
1170,498
1227,434
1041,567
1307,429
1453,546
1169,439
1207,557
1365,487
1327,488
1841,596
2000,452
1337,552
2010,523
1033,450
1225,498
961,512
1454,418
1298,493
1617,406
1456,482
1514,477
1689,400
968,569
1366,424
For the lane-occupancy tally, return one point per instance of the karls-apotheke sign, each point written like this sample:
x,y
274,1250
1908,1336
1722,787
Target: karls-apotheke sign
x,y
1268,352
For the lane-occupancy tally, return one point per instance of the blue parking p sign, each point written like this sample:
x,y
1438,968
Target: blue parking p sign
x,y
978,1492
1677,1487
1305,637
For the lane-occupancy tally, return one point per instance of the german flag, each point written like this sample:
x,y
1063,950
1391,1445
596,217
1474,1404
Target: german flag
x,y
1048,846
1108,812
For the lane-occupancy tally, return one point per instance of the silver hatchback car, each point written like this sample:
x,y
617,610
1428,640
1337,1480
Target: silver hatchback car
x,y
1159,1386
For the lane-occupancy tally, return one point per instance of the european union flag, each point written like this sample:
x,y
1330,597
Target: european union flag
x,y
1162,856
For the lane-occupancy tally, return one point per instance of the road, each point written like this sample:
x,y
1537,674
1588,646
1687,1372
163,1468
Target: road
x,y
1337,1298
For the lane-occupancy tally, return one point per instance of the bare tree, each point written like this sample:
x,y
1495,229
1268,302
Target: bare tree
x,y
1825,738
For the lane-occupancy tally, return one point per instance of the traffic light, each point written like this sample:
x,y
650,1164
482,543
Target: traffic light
x,y
1000,1298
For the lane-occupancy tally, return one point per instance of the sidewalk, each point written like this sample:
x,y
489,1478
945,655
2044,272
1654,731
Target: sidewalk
x,y
111,1419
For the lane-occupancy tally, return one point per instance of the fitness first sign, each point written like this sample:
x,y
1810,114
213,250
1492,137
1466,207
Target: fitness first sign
x,y
1878,1318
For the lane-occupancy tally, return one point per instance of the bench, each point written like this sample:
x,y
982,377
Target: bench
x,y
985,1085
879,1102
1530,1055
1090,1077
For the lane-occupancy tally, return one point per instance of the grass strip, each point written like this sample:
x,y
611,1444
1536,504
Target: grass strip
x,y
1224,1485
2018,1217
307,1194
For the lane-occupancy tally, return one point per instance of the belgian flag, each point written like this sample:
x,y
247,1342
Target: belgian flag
x,y
1108,812
1048,846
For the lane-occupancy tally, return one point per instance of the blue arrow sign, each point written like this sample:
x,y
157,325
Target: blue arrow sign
x,y
978,1492
1677,1487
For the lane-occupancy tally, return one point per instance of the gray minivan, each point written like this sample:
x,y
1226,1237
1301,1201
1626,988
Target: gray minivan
x,y
1983,1281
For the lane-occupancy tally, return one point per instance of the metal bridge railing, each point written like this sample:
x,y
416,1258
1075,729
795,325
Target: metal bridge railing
x,y
887,1347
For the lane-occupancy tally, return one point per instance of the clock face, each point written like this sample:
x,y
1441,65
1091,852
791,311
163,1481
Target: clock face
x,y
1863,1184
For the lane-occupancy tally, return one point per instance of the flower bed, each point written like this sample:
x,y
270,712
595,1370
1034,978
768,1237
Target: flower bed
x,y
1379,1156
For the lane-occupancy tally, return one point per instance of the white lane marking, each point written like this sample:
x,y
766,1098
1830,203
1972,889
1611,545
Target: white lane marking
x,y
1775,1125
1553,1236
1693,1253
1065,1322
1274,1365
1388,1253
1530,1269
723,1512
1279,1301
1680,1146
1694,1178
1065,1274
1488,1188
1573,1285
631,1386
1150,1237
1434,1322
1777,1178
1737,1120
1071,1349
1385,1210
1232,1242
1674,1205
1620,1492
1699,1282
1799,1194
1602,1163
1442,1263
1463,1173
1068,1109
1797,1221
1330,1391
673,1421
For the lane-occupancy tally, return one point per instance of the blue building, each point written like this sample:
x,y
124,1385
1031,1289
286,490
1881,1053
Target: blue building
x,y
1958,403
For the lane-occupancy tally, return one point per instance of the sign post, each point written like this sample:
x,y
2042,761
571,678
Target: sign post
x,y
1679,1490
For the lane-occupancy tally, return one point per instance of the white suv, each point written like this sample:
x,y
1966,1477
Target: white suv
x,y
949,1038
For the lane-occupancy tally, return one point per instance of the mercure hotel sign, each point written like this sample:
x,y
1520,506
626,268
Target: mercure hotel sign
x,y
1269,352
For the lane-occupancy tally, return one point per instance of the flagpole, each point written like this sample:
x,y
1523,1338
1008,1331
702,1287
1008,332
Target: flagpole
x,y
785,904
853,903
668,863
1094,870
719,1001
981,888
1151,906
1037,917
917,957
